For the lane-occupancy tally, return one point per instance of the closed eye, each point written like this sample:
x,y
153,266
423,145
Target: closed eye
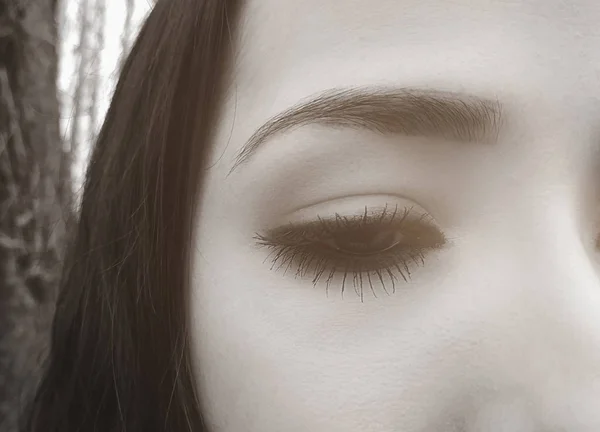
x,y
376,249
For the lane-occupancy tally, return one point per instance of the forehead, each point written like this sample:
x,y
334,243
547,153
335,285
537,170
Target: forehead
x,y
539,57
306,45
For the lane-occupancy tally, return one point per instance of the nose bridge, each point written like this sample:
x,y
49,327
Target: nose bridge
x,y
546,339
559,303
557,278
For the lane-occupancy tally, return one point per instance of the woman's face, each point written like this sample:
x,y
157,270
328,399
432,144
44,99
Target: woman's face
x,y
416,249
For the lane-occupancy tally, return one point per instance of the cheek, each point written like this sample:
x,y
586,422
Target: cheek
x,y
273,354
478,323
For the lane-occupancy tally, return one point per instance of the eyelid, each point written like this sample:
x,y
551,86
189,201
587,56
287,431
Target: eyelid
x,y
395,217
351,205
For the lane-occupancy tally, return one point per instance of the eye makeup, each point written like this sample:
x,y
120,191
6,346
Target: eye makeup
x,y
373,250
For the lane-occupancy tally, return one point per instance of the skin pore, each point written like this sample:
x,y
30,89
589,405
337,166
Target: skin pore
x,y
497,325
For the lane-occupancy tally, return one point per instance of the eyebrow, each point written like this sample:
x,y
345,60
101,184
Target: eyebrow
x,y
407,111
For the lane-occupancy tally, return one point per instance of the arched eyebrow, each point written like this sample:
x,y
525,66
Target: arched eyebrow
x,y
406,111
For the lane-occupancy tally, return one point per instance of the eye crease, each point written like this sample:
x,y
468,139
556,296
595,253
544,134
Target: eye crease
x,y
375,249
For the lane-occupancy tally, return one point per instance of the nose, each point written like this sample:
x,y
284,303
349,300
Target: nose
x,y
541,350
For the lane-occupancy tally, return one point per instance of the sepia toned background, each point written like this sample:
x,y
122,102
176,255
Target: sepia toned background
x,y
59,60
95,35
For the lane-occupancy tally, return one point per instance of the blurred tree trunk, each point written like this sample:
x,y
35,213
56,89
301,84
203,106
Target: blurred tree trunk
x,y
127,30
35,196
96,62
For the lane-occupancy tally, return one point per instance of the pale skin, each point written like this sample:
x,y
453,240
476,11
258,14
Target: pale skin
x,y
496,330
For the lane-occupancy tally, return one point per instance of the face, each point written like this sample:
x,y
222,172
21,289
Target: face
x,y
411,245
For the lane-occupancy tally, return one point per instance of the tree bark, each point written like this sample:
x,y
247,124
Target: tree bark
x,y
35,196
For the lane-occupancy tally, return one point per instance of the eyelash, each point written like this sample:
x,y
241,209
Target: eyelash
x,y
306,246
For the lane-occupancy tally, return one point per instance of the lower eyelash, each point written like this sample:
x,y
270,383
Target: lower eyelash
x,y
393,269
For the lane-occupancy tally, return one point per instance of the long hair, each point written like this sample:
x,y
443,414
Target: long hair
x,y
119,357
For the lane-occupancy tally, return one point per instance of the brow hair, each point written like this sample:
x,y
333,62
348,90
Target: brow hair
x,y
388,110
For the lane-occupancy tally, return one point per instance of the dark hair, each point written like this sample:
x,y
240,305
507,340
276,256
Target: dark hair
x,y
119,358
